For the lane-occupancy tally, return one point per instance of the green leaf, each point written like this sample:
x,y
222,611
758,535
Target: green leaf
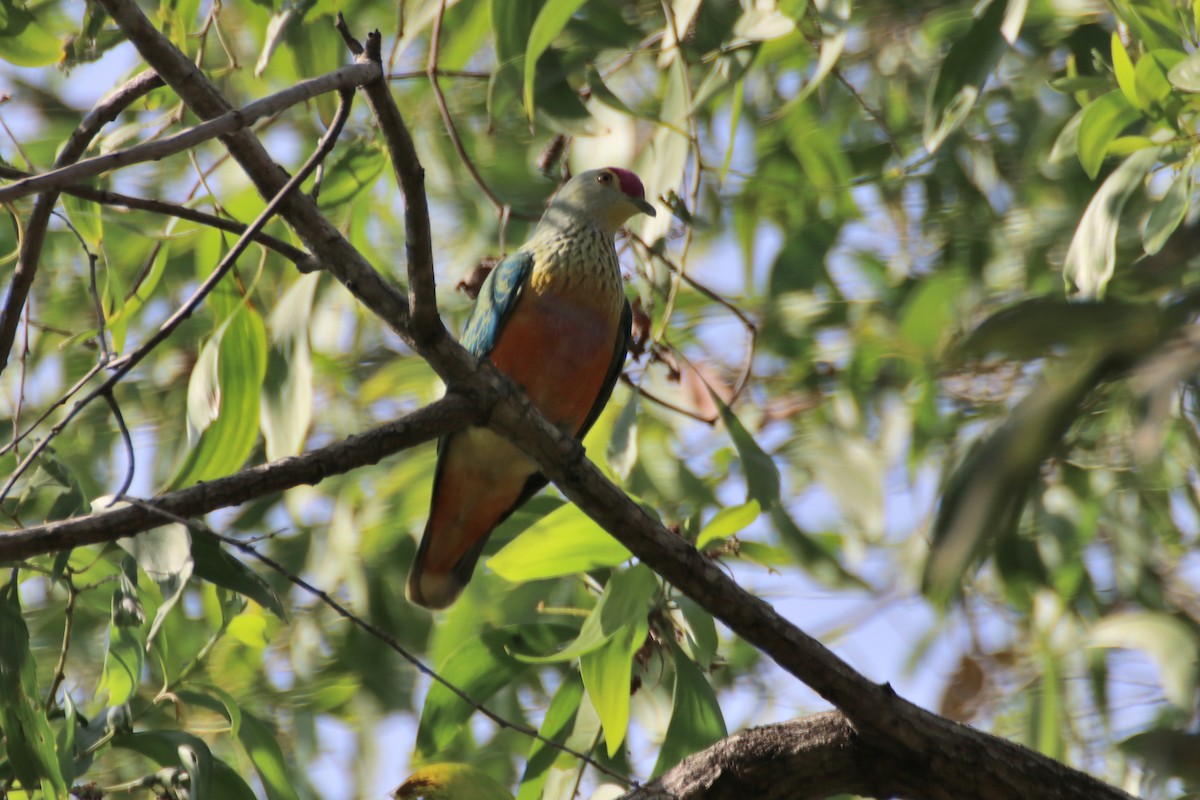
x,y
89,224
1123,69
556,726
1186,74
622,451
26,39
480,667
165,555
625,597
211,563
1169,212
1101,123
701,631
1167,753
962,74
762,475
170,748
223,398
266,755
564,542
549,23
125,652
354,171
1092,256
30,741
607,676
1170,641
727,522
287,396
696,719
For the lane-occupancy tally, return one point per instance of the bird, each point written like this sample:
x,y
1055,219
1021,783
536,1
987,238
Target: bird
x,y
553,317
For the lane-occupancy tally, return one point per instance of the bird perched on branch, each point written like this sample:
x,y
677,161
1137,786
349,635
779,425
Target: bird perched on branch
x,y
553,318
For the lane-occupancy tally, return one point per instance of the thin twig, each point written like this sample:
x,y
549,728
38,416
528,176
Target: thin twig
x,y
667,404
122,366
431,69
126,438
339,80
751,328
60,669
104,197
420,665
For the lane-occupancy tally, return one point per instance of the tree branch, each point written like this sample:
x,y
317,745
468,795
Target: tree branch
x,y
439,418
343,79
105,112
822,756
107,198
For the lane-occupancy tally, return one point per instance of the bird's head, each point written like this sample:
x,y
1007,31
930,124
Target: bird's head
x,y
606,196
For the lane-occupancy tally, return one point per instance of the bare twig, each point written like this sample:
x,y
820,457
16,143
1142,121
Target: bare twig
x,y
431,69
104,197
105,111
339,80
751,328
122,366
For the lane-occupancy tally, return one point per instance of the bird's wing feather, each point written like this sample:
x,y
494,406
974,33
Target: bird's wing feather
x,y
624,332
497,298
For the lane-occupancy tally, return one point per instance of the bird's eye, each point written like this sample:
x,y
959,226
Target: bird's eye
x,y
604,177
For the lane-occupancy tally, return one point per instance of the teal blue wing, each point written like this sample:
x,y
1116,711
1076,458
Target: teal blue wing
x,y
624,331
497,298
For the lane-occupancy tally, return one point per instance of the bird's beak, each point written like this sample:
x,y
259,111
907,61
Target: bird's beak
x,y
644,207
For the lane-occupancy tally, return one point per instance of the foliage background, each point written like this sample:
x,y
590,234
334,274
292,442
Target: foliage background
x,y
903,199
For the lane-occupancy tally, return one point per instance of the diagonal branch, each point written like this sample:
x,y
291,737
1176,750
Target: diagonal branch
x,y
339,80
441,417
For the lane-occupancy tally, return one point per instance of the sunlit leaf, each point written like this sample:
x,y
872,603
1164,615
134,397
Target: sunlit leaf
x,y
556,726
267,756
625,598
451,782
1102,122
564,542
727,522
607,673
1092,256
550,21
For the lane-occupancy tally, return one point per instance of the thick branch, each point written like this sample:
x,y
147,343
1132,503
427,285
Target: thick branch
x,y
35,228
445,415
822,756
347,77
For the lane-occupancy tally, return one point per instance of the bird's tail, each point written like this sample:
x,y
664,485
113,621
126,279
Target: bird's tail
x,y
442,567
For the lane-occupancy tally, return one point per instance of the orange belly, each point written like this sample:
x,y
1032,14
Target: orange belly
x,y
559,352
